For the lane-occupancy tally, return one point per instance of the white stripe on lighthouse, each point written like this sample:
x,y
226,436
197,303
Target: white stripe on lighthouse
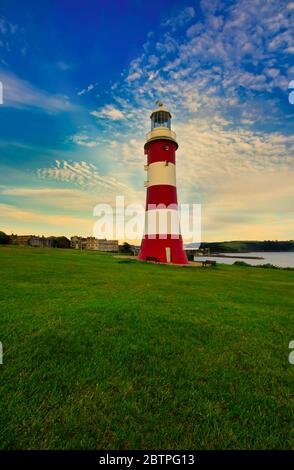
x,y
161,173
162,222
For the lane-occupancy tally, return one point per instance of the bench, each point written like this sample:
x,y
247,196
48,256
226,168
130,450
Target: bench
x,y
152,258
208,263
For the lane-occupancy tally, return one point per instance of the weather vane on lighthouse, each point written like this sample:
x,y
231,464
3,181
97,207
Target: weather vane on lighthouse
x,y
162,240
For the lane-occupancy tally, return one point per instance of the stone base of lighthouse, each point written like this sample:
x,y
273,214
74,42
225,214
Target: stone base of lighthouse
x,y
163,250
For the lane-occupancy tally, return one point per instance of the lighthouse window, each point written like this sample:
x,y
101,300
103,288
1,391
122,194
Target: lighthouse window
x,y
160,119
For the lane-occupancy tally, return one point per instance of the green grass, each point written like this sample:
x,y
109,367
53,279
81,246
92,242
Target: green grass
x,y
104,354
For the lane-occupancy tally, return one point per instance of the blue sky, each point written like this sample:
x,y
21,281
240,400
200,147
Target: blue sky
x,y
80,79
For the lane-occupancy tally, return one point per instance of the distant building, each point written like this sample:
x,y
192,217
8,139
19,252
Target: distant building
x,y
42,242
107,245
33,240
92,243
22,239
78,243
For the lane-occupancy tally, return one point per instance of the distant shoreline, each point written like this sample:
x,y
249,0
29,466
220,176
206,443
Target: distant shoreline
x,y
244,246
213,255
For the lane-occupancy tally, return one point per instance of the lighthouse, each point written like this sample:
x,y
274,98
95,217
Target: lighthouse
x,y
162,240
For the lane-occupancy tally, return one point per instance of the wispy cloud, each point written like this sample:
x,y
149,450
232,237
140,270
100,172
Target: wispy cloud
x,y
228,56
181,18
8,191
224,73
219,77
7,27
212,151
85,175
133,76
19,93
109,112
84,140
90,87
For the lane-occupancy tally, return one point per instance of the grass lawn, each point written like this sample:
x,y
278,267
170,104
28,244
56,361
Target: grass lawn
x,y
100,353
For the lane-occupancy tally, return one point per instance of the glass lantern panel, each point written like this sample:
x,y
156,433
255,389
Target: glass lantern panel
x,y
160,119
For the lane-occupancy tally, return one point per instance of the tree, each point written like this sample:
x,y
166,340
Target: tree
x,y
190,256
126,248
4,239
62,242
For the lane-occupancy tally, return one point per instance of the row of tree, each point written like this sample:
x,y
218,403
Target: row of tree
x,y
55,242
4,239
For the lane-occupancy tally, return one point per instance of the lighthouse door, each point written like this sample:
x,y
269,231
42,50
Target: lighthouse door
x,y
168,254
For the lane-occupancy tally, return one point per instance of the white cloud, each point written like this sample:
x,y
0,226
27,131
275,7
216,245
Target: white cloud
x,y
3,27
214,79
109,112
181,18
211,151
133,76
199,79
290,50
90,87
11,191
83,174
84,140
7,27
222,63
18,93
135,69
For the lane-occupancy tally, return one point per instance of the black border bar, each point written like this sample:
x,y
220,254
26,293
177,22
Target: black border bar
x,y
134,459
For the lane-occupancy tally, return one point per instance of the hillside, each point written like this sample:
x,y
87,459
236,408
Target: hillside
x,y
248,246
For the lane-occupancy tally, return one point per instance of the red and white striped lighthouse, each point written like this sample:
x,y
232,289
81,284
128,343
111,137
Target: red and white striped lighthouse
x,y
162,240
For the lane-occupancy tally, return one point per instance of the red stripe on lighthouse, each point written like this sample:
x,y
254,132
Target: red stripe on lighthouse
x,y
160,151
161,194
